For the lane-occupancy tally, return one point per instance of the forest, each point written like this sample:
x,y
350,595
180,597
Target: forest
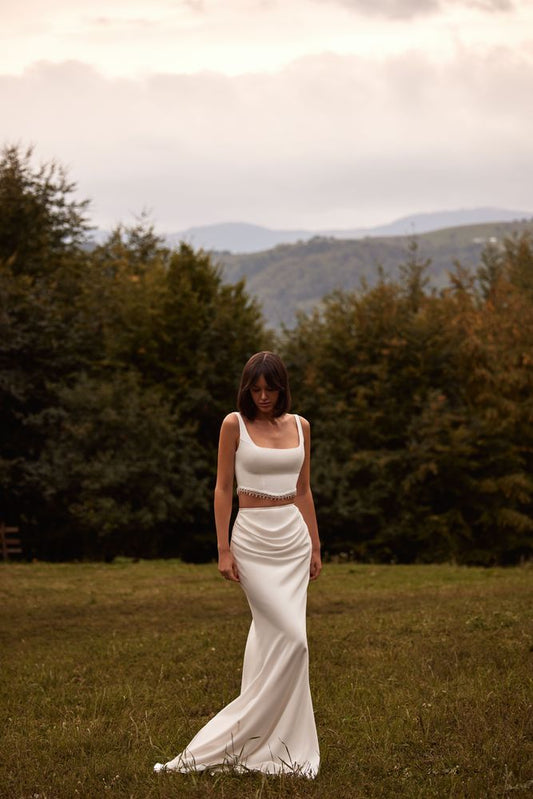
x,y
118,363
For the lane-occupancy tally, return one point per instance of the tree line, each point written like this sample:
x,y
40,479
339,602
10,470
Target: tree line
x,y
119,361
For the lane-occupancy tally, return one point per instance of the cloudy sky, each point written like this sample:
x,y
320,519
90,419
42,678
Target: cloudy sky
x,y
288,113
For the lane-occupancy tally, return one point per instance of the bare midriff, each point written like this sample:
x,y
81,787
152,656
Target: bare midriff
x,y
253,501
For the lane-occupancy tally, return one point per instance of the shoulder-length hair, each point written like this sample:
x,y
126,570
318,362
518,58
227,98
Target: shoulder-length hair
x,y
272,368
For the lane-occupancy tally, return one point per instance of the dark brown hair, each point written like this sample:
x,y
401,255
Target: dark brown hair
x,y
272,368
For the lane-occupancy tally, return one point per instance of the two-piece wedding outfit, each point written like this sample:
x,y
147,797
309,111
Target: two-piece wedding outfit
x,y
270,726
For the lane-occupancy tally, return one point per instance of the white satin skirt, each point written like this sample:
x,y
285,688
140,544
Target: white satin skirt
x,y
270,726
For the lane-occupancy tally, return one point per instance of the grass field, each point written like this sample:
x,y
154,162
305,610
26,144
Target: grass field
x,y
421,679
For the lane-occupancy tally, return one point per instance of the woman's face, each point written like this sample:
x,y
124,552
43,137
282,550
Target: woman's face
x,y
264,397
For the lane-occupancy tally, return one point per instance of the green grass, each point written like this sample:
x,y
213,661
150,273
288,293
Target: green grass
x,y
421,680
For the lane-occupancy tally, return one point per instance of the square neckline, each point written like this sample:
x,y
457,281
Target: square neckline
x,y
275,449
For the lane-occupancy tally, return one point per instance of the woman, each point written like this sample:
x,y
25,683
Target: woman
x,y
273,553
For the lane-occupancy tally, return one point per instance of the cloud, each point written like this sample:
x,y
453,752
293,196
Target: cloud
x,y
331,140
406,9
395,9
490,5
237,36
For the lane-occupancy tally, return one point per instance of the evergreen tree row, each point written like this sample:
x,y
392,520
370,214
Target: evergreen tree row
x,y
423,413
118,363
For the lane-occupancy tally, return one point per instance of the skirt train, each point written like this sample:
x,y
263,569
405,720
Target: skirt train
x,y
270,726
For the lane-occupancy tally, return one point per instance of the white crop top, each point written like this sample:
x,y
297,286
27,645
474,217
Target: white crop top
x,y
267,472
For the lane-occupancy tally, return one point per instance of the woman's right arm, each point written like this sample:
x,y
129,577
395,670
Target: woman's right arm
x,y
229,433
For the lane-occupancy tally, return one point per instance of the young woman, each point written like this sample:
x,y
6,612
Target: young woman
x,y
273,553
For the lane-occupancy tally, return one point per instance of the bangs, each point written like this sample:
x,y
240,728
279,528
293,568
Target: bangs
x,y
271,367
267,370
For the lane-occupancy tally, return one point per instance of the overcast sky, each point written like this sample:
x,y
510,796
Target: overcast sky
x,y
288,113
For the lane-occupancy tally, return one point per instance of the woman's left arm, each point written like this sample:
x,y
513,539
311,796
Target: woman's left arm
x,y
304,501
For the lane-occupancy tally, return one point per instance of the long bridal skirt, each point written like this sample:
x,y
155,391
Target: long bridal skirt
x,y
270,726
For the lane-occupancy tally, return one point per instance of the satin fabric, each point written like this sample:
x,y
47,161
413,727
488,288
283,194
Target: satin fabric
x,y
270,726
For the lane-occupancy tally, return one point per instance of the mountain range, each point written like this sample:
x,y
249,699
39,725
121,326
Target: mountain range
x,y
295,277
240,237
292,270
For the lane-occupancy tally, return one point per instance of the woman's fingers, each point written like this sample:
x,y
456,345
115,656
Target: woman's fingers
x,y
228,568
315,568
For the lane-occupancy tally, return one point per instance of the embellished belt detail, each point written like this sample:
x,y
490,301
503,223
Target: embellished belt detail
x,y
264,495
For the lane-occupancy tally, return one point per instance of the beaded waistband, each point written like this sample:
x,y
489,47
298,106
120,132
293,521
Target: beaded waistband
x,y
264,495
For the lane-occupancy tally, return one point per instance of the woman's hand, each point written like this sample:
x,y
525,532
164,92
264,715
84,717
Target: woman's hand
x,y
316,565
227,566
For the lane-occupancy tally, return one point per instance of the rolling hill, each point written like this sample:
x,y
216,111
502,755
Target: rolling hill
x,y
293,277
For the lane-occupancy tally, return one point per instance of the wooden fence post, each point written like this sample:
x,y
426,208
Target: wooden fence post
x,y
9,540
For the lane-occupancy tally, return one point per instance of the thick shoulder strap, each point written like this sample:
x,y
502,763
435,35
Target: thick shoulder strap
x,y
300,431
243,432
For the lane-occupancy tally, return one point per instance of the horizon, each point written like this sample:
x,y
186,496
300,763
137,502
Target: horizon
x,y
519,215
512,215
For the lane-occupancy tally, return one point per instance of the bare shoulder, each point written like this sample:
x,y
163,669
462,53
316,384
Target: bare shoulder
x,y
229,431
231,422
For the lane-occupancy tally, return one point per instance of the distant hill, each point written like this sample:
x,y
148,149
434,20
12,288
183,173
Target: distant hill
x,y
239,237
292,277
438,220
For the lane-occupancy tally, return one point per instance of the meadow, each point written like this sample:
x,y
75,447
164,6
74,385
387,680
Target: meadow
x,y
421,680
